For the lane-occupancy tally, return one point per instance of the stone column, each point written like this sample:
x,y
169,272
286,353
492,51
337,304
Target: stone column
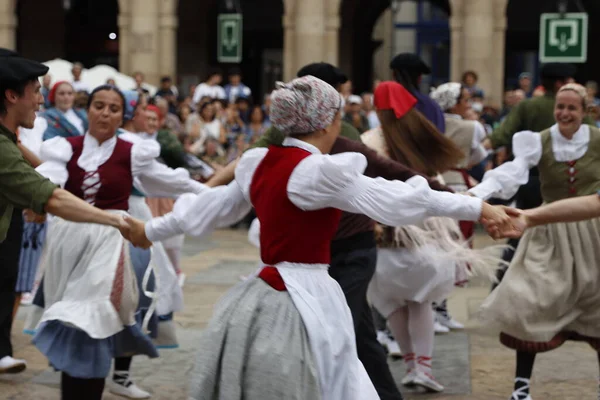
x,y
310,32
289,45
498,56
8,24
332,29
139,49
167,28
456,39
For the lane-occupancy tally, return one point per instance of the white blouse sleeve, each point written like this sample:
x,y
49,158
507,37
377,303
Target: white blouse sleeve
x,y
155,179
478,152
321,181
55,154
199,214
504,181
216,207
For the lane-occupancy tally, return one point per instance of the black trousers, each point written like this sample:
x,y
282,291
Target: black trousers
x,y
10,250
353,267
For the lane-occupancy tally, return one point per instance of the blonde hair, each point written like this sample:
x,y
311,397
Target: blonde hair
x,y
578,89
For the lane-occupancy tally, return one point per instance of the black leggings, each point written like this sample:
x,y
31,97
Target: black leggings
x,y
77,388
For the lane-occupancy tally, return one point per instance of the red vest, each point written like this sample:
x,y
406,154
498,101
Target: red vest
x,y
288,233
107,188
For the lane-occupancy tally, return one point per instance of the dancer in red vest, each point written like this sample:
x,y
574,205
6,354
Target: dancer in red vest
x,y
288,332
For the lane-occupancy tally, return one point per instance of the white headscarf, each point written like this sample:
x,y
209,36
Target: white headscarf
x,y
447,95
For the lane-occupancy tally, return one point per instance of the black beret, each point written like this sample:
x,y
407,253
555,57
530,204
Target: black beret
x,y
558,71
14,68
410,62
325,72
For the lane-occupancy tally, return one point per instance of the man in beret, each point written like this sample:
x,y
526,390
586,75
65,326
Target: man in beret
x,y
535,114
408,70
22,188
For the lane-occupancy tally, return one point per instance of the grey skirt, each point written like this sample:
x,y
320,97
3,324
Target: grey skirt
x,y
255,347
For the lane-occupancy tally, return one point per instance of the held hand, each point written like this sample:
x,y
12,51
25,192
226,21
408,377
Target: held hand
x,y
518,223
495,217
136,232
30,216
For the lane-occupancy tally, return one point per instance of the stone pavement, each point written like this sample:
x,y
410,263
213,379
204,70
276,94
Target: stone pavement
x,y
471,364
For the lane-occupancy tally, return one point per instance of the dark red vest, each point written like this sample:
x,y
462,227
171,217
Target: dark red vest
x,y
288,233
113,186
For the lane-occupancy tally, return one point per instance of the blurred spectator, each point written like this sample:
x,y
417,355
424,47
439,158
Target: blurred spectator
x,y
266,107
45,89
469,79
376,83
592,92
171,121
233,123
78,84
538,91
257,126
243,107
354,114
525,83
236,88
369,110
166,92
237,149
81,99
183,113
346,89
111,81
210,88
220,110
519,95
594,113
139,82
203,125
213,154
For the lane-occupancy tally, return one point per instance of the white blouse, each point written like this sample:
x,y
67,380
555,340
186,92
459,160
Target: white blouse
x,y
150,177
318,181
32,138
504,181
74,119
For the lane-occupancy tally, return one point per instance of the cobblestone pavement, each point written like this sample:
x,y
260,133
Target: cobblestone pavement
x,y
471,364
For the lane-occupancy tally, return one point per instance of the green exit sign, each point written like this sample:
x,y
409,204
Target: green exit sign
x,y
564,38
229,38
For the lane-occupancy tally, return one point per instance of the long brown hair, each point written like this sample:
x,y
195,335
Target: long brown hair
x,y
415,142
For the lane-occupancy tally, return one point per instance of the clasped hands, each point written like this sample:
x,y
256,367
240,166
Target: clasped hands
x,y
503,222
134,230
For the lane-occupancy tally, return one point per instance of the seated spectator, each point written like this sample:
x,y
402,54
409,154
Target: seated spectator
x,y
171,121
183,112
257,125
167,93
243,107
233,123
354,114
213,154
204,125
237,149
593,111
266,107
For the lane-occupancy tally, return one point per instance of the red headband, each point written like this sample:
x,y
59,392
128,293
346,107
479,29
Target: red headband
x,y
393,96
52,93
153,108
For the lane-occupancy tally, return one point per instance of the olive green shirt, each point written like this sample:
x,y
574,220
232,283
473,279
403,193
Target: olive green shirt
x,y
20,185
536,114
274,137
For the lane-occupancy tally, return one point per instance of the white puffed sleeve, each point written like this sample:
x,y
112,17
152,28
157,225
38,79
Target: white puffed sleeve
x,y
321,181
213,208
254,233
55,154
155,179
504,181
199,214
